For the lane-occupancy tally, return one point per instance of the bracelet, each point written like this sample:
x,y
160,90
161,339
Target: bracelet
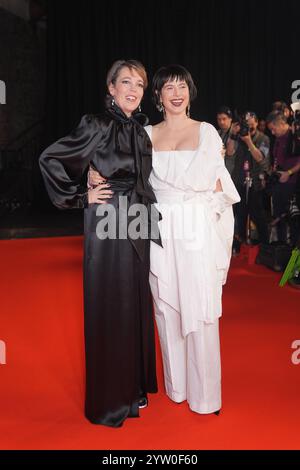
x,y
290,172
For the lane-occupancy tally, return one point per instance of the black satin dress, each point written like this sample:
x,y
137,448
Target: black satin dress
x,y
119,330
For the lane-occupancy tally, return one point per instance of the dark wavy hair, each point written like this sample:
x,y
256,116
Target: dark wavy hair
x,y
172,72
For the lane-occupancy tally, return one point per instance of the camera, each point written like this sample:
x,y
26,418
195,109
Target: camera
x,y
272,180
243,123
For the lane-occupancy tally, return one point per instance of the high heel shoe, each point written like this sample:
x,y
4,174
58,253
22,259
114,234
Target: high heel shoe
x,y
217,412
143,402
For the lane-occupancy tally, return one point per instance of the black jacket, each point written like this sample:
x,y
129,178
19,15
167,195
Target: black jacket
x,y
120,149
64,164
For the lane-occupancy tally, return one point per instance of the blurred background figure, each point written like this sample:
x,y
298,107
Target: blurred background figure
x,y
285,109
284,177
224,120
252,162
262,126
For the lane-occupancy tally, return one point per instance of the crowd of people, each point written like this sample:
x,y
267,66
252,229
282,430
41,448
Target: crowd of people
x,y
263,159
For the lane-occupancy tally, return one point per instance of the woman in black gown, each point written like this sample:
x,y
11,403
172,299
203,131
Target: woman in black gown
x,y
119,331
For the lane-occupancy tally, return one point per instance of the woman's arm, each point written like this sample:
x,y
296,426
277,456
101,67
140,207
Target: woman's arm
x,y
225,193
218,187
64,163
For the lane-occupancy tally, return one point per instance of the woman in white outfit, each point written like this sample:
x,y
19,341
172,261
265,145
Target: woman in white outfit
x,y
195,195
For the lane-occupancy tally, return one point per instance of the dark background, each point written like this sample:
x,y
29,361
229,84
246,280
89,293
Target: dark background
x,y
243,54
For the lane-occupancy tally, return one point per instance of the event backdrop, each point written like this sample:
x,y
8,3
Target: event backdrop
x,y
243,54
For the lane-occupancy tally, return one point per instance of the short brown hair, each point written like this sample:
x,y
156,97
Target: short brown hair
x,y
118,65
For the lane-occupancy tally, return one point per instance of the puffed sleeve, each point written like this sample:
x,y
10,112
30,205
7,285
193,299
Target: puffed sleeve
x,y
221,203
228,196
64,163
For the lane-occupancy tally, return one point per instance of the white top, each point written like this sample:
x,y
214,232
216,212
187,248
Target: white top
x,y
196,227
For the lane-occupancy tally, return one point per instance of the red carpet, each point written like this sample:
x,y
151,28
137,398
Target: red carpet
x,y
42,382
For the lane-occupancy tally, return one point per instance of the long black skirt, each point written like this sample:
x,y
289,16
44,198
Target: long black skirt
x,y
119,328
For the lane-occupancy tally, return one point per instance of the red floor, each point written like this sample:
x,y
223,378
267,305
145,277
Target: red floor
x,y
42,385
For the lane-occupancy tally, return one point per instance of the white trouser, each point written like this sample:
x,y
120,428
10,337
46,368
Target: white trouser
x,y
192,367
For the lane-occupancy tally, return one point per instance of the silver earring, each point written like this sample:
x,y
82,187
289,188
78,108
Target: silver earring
x,y
113,102
188,110
139,109
160,107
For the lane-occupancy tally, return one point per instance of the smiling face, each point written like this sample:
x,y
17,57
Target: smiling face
x,y
127,90
175,96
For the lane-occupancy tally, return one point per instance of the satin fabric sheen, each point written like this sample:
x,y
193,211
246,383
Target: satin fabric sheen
x,y
118,321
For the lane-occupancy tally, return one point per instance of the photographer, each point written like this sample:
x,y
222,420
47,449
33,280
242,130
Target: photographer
x,y
224,120
286,166
282,107
252,162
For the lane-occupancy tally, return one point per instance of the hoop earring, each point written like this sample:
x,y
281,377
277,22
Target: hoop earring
x,y
188,110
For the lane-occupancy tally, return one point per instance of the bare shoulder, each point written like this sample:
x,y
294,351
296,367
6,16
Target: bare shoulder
x,y
195,123
159,125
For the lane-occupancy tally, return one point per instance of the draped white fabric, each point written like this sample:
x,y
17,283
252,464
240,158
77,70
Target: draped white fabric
x,y
197,228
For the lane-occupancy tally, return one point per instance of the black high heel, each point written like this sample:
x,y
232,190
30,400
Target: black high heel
x,y
217,412
143,402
